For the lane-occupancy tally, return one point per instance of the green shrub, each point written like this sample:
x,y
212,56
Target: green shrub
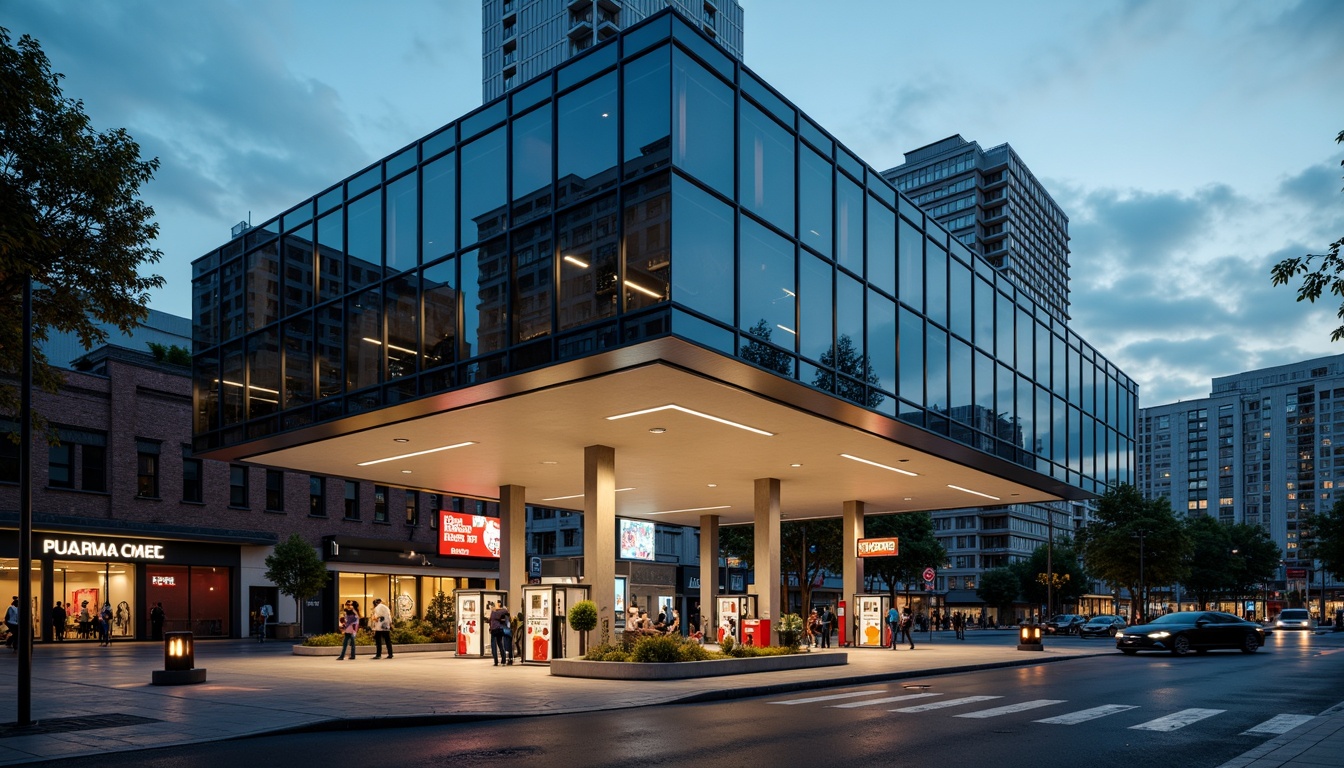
x,y
334,639
583,616
790,630
657,649
740,651
689,650
600,652
727,643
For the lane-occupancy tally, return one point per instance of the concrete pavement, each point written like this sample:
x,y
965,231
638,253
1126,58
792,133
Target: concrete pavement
x,y
90,700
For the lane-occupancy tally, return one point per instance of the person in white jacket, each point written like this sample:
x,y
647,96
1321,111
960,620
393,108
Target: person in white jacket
x,y
382,628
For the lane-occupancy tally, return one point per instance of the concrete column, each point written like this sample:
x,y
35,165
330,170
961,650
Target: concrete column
x,y
513,543
851,563
599,535
709,573
767,550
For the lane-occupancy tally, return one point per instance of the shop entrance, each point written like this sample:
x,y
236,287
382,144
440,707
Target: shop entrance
x,y
85,589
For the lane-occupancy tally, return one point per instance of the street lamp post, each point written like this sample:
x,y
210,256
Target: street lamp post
x,y
1143,584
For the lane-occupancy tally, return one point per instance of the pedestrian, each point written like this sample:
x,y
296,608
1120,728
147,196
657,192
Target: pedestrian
x,y
12,624
105,625
501,644
382,628
349,628
907,624
826,618
58,621
519,635
893,624
156,622
676,622
813,627
266,613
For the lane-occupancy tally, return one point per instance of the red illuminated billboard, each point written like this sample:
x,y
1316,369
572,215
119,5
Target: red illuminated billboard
x,y
468,535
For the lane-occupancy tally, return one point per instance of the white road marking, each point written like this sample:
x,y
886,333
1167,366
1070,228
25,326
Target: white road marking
x,y
832,697
945,703
1278,725
1011,708
886,700
1177,720
1082,716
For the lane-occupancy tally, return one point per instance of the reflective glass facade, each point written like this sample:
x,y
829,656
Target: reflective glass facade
x,y
651,187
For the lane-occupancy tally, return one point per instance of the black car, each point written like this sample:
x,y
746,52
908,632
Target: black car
x,y
1102,626
1187,631
1065,624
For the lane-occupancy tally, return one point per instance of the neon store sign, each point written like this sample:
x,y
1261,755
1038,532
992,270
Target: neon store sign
x,y
126,550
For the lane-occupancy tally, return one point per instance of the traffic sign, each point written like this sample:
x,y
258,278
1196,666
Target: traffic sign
x,y
534,567
928,575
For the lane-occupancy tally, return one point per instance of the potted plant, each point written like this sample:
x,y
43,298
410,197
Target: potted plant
x,y
583,618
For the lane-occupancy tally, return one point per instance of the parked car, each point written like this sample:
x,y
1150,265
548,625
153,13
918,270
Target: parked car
x,y
1101,626
1065,624
1295,618
1187,631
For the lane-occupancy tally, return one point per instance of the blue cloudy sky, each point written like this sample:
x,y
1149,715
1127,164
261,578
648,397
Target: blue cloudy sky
x,y
1190,142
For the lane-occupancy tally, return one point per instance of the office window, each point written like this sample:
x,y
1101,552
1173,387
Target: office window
x,y
435,504
412,508
351,500
317,496
275,490
147,469
9,452
238,486
61,466
380,504
93,467
193,489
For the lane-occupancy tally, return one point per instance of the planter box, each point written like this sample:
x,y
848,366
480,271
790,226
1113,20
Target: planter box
x,y
631,670
284,631
335,650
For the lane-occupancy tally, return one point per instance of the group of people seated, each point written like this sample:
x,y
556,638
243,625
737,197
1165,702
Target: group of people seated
x,y
638,622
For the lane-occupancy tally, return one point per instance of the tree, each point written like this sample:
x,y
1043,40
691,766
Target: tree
x,y
1034,575
1133,542
297,571
999,587
1255,558
807,548
1325,277
73,221
1209,565
1326,532
919,549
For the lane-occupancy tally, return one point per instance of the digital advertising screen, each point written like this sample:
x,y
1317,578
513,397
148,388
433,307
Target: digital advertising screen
x,y
468,535
634,540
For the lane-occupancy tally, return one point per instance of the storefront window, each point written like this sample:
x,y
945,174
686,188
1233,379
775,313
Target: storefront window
x,y
194,599
84,587
167,585
210,602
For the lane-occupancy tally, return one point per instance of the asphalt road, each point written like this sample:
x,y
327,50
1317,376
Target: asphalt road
x,y
1150,709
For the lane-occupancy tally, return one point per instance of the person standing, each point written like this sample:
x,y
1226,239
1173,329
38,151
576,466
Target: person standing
x,y
58,621
382,628
893,624
12,624
156,622
501,644
908,624
105,625
349,628
266,613
826,618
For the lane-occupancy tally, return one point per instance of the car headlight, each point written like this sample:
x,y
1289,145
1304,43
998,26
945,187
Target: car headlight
x,y
1159,635
1119,633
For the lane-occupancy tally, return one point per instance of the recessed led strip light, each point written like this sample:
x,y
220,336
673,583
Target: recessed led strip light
x,y
973,493
580,495
417,453
389,346
646,291
691,509
876,464
693,413
576,261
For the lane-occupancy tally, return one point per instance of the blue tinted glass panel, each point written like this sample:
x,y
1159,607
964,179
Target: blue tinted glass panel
x,y
301,215
1060,367
701,332
438,287
882,339
300,270
703,117
484,291
487,118
984,315
578,70
1044,424
331,256
402,224
848,224
647,109
1026,410
911,211
849,354
364,181
647,246
703,48
532,170
702,267
364,241
935,368
879,186
533,270
531,95
298,341
439,142
587,129
439,234
401,162
763,96
363,339
814,295
1004,311
1075,378
881,246
766,291
1006,404
1042,355
766,165
849,162
401,301
910,266
263,285
959,298
330,346
647,35
959,381
935,283
816,178
813,134
1026,334
330,199
589,264
484,178
911,342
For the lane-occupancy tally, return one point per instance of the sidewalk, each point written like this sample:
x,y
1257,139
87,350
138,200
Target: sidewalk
x,y
253,688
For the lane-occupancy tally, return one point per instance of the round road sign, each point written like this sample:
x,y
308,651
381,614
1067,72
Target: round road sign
x,y
928,574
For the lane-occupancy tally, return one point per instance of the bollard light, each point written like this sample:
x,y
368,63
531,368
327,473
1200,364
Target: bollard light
x,y
1029,638
179,661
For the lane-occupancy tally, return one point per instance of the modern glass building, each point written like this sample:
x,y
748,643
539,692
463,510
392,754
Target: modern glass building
x,y
651,251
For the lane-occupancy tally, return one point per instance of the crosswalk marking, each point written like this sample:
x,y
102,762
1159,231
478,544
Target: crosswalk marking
x,y
945,703
1082,716
1011,708
1278,725
832,697
1177,720
887,700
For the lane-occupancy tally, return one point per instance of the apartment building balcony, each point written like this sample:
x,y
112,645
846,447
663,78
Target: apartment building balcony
x,y
580,28
610,6
579,6
607,28
510,10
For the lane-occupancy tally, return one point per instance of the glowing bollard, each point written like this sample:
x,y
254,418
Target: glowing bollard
x,y
1029,638
179,661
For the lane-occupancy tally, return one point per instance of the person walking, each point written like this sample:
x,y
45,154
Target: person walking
x,y
266,613
826,619
12,624
501,643
349,628
105,625
382,628
908,624
156,622
893,624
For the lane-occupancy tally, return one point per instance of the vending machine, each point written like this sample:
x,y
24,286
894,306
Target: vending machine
x,y
870,621
473,608
732,610
546,622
